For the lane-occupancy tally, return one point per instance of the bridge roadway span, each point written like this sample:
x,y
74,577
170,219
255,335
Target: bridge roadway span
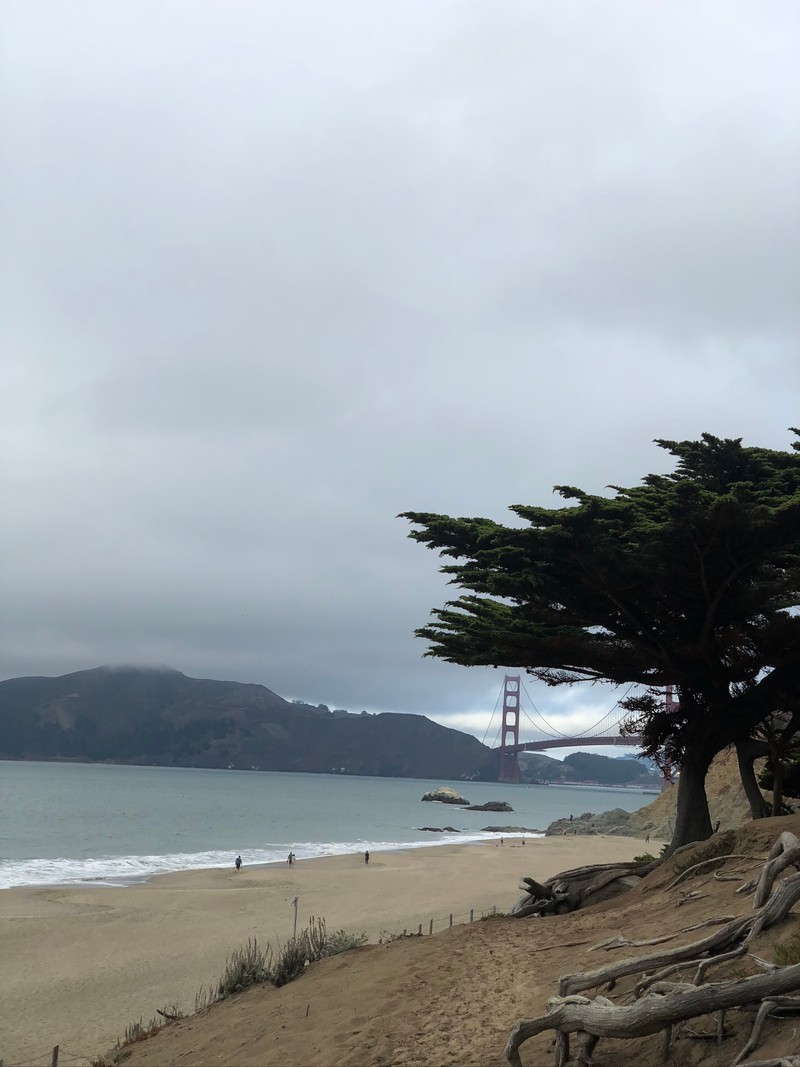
x,y
632,741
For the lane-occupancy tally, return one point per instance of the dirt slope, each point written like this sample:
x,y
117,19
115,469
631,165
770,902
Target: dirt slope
x,y
452,998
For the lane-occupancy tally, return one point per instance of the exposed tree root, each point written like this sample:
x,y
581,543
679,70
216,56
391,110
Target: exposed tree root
x,y
659,1005
784,853
651,1014
704,863
709,922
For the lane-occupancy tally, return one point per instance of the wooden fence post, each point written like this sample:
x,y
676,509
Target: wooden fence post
x,y
470,914
451,918
430,928
419,932
54,1058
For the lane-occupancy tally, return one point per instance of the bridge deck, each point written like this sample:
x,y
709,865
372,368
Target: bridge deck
x,y
633,741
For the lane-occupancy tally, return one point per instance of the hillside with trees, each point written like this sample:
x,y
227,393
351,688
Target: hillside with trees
x,y
161,717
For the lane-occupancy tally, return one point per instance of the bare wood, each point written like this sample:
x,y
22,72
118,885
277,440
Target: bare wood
x,y
628,866
666,1043
661,988
763,965
688,898
784,853
730,934
777,906
784,1061
705,863
651,1014
709,922
705,965
620,942
755,1033
718,877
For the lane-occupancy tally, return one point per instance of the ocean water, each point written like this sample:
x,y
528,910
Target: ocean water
x,y
63,823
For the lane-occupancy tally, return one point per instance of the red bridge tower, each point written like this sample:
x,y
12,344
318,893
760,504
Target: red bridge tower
x,y
509,766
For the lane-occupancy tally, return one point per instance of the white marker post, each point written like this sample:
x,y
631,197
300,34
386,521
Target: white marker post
x,y
293,903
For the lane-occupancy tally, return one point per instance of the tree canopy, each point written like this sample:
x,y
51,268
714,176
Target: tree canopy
x,y
689,578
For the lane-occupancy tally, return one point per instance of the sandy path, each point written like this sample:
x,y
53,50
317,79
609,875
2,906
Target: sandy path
x,y
78,964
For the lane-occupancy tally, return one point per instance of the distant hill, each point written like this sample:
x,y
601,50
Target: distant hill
x,y
161,717
586,767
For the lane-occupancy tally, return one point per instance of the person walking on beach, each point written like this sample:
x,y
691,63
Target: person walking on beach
x,y
238,863
366,857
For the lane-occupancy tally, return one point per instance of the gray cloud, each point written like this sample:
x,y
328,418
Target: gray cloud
x,y
274,273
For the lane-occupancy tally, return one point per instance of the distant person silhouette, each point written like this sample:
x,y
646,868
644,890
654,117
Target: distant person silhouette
x,y
366,857
238,863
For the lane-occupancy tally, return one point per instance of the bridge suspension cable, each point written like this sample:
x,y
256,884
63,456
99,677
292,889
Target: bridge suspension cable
x,y
548,730
488,728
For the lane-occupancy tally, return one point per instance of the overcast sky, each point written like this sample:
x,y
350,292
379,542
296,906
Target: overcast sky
x,y
273,272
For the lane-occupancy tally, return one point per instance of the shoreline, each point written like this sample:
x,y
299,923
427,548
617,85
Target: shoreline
x,y
123,881
81,963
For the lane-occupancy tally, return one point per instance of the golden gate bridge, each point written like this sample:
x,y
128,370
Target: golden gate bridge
x,y
606,731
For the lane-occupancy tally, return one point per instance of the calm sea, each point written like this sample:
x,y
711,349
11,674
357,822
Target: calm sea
x,y
70,822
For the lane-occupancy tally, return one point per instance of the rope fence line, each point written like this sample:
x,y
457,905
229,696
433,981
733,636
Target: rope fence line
x,y
446,921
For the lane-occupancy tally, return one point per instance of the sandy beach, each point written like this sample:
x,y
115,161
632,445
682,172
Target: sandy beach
x,y
78,964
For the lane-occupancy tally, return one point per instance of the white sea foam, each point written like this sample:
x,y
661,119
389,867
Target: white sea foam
x,y
129,870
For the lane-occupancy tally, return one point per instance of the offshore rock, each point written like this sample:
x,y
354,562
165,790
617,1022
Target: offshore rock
x,y
509,830
445,794
490,805
439,829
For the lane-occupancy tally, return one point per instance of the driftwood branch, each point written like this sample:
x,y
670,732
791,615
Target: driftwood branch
x,y
733,932
652,1014
621,942
709,922
667,1003
705,863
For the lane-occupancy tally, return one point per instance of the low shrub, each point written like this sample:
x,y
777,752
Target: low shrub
x,y
140,1031
248,965
341,941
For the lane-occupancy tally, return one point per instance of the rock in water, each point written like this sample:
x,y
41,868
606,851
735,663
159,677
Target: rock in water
x,y
445,794
491,805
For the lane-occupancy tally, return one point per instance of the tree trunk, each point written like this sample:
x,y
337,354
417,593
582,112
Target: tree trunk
x,y
747,752
692,821
777,785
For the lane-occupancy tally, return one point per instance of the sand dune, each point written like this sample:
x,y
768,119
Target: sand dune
x,y
79,963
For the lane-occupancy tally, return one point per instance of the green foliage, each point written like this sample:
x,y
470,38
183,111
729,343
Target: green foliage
x,y
787,953
252,965
646,857
684,579
140,1031
341,941
246,966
